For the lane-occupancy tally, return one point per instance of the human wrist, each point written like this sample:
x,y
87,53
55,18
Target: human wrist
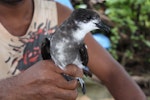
x,y
8,88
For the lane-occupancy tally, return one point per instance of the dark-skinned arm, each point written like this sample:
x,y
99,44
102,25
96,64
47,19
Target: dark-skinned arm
x,y
111,73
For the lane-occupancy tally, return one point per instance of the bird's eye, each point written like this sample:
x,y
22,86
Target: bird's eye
x,y
88,17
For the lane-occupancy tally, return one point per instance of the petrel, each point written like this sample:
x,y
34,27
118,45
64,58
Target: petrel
x,y
66,45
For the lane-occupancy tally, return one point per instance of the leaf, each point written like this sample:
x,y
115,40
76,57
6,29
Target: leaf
x,y
147,43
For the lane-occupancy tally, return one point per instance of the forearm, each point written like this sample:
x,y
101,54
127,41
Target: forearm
x,y
111,73
122,87
118,82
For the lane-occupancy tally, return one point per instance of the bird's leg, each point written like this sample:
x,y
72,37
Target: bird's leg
x,y
82,84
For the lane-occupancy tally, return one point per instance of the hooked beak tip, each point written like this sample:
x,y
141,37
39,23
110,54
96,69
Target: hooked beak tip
x,y
103,27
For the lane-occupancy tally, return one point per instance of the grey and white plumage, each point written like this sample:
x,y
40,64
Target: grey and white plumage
x,y
67,39
69,36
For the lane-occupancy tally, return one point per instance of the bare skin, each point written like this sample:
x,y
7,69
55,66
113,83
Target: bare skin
x,y
110,72
42,80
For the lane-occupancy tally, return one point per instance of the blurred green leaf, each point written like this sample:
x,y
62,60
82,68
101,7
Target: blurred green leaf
x,y
131,17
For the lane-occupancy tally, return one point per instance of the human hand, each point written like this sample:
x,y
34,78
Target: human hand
x,y
43,81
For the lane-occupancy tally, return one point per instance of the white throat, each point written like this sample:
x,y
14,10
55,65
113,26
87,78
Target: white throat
x,y
83,29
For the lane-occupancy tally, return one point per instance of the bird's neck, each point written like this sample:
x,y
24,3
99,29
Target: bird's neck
x,y
79,34
81,30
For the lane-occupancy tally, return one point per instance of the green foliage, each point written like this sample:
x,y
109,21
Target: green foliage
x,y
131,33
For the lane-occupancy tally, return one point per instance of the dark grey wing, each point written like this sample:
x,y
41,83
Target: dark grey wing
x,y
84,59
45,49
83,54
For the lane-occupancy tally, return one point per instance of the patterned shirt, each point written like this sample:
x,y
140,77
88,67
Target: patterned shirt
x,y
19,53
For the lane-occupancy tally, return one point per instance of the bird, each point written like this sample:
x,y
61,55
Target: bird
x,y
66,45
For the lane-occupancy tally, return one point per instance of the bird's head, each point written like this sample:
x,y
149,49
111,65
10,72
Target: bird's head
x,y
88,20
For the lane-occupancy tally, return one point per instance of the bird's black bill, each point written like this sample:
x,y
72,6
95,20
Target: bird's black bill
x,y
103,27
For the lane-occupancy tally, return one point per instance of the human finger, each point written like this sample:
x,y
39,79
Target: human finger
x,y
61,82
73,70
67,94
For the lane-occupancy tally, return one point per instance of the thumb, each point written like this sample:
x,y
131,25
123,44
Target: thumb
x,y
73,70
